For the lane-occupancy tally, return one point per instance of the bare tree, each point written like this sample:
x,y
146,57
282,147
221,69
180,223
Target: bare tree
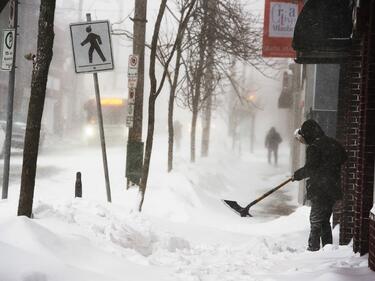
x,y
174,76
172,95
38,92
208,79
221,31
155,89
202,46
163,51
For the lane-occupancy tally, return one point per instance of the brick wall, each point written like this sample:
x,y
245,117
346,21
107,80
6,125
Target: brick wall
x,y
344,92
370,121
364,193
371,259
348,125
357,134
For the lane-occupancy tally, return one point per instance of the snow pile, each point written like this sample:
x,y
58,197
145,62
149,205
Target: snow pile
x,y
184,232
130,231
86,240
81,240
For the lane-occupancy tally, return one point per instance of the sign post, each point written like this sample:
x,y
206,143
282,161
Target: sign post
x,y
8,62
92,52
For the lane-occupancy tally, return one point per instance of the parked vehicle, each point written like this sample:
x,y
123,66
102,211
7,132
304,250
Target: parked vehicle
x,y
18,132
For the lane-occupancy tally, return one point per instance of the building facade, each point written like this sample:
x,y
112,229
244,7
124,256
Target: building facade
x,y
344,35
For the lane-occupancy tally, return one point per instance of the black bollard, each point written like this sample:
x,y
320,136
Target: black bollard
x,y
78,187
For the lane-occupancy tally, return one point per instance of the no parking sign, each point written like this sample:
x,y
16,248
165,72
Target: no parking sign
x,y
7,49
133,71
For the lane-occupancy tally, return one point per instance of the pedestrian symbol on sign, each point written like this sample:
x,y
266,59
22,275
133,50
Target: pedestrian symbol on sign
x,y
95,41
92,49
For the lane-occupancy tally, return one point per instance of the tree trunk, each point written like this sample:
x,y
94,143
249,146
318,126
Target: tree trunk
x,y
36,105
209,78
206,128
155,89
198,80
151,105
170,129
195,110
193,134
148,150
172,95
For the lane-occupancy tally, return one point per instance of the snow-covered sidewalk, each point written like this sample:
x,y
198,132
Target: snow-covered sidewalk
x,y
184,233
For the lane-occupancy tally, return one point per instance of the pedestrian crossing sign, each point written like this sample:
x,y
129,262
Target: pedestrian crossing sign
x,y
92,48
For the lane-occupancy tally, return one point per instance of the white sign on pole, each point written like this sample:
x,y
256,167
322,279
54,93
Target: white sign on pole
x,y
131,95
133,71
92,48
131,102
7,50
129,121
131,109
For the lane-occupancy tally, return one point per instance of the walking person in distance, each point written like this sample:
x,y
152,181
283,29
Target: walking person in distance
x,y
272,142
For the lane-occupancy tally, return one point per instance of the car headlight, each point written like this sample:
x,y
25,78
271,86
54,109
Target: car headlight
x,y
89,131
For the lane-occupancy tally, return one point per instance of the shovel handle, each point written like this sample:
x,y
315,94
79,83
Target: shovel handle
x,y
268,193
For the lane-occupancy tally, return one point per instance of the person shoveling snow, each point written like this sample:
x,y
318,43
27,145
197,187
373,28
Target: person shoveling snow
x,y
324,157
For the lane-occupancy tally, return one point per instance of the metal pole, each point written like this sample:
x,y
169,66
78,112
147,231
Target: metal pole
x,y
13,22
101,129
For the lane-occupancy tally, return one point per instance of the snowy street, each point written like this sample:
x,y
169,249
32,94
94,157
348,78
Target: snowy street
x,y
184,233
236,133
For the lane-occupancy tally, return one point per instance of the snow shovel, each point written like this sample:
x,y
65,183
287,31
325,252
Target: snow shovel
x,y
244,211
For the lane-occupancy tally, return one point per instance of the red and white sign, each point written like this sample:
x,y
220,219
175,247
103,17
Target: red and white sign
x,y
280,17
133,71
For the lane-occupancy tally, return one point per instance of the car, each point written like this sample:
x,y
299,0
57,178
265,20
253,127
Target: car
x,y
18,132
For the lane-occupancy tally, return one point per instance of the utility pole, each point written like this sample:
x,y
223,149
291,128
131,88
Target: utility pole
x,y
13,22
134,158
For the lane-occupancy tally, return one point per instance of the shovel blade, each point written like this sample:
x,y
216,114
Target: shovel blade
x,y
234,206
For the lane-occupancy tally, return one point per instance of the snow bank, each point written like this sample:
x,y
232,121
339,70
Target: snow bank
x,y
184,232
81,240
86,240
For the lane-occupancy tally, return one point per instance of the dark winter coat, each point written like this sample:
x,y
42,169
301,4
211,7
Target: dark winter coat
x,y
324,157
273,139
